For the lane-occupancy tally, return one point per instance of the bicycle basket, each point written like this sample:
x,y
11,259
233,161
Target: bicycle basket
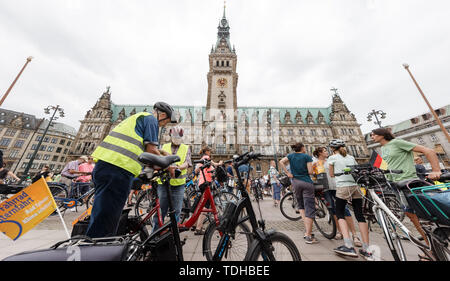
x,y
285,180
431,202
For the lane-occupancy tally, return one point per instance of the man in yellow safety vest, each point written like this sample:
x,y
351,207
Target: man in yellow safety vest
x,y
174,147
117,165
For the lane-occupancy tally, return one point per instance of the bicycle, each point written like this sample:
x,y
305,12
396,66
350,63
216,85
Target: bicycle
x,y
264,243
163,244
372,178
64,200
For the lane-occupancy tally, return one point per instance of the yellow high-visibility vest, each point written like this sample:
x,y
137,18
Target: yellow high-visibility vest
x,y
123,146
182,153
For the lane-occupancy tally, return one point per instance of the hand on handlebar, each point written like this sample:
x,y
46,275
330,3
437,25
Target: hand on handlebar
x,y
434,175
291,176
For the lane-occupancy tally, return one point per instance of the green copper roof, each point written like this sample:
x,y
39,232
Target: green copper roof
x,y
249,112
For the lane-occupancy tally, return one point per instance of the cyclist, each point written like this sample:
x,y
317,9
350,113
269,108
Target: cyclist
x,y
206,154
117,165
399,155
4,173
321,173
347,189
230,174
177,185
301,168
275,183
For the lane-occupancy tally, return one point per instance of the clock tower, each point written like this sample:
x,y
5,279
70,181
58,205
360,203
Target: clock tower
x,y
222,77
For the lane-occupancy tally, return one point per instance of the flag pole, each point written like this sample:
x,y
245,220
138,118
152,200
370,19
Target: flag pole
x,y
15,80
406,66
58,211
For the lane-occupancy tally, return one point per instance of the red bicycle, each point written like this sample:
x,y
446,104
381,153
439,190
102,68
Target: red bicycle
x,y
147,205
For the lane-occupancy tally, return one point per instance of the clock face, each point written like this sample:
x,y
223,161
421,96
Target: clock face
x,y
222,82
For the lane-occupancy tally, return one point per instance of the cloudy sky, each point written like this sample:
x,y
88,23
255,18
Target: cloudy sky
x,y
290,53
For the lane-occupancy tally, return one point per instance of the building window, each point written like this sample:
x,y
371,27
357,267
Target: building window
x,y
55,158
38,156
13,154
24,165
244,148
5,142
58,150
46,156
10,132
50,148
69,143
24,135
29,155
221,148
38,138
62,141
313,132
43,147
342,117
301,132
420,140
46,139
19,143
33,147
290,132
325,132
433,138
54,140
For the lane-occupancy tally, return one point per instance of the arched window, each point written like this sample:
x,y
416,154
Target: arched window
x,y
222,63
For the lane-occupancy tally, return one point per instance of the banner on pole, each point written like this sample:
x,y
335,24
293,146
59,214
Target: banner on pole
x,y
26,209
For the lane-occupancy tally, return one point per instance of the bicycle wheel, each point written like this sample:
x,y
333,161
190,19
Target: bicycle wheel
x,y
324,220
394,205
222,198
90,200
144,205
238,246
59,193
284,249
440,243
288,207
390,234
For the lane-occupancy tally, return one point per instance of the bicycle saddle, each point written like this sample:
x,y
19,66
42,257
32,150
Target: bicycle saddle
x,y
156,160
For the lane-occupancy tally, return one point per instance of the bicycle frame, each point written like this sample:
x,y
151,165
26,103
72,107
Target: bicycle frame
x,y
74,202
380,205
243,203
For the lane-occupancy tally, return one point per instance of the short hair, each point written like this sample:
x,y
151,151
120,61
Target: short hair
x,y
297,147
204,149
384,132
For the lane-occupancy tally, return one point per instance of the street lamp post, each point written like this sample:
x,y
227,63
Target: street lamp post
x,y
375,113
47,111
406,66
15,80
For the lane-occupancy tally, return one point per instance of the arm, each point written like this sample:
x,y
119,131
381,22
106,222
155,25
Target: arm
x,y
309,167
11,174
432,158
331,170
283,163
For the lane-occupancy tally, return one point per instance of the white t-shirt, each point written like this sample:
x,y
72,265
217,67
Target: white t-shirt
x,y
340,163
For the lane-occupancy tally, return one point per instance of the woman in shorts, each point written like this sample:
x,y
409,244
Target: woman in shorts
x,y
347,190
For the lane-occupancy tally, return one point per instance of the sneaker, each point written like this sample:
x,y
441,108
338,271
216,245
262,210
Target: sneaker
x,y
346,251
367,255
312,235
311,240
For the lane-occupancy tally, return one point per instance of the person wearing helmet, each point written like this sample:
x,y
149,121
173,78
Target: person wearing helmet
x,y
174,147
346,190
117,165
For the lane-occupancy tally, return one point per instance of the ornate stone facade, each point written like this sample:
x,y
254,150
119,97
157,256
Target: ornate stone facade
x,y
230,129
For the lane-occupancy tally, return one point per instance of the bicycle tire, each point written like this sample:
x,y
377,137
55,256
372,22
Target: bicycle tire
x,y
440,244
212,237
394,205
325,218
90,200
144,205
221,200
287,207
391,237
60,192
292,254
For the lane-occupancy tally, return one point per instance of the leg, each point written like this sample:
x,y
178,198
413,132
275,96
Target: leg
x,y
112,186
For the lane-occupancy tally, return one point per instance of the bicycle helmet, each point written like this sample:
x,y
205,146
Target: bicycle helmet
x,y
336,143
164,107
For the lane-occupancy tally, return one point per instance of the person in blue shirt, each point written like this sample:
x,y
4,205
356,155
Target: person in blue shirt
x,y
113,178
301,169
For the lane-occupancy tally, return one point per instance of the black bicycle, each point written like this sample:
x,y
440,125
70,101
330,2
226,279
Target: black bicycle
x,y
267,245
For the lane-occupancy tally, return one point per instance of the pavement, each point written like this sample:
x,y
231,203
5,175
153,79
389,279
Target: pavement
x,y
51,231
